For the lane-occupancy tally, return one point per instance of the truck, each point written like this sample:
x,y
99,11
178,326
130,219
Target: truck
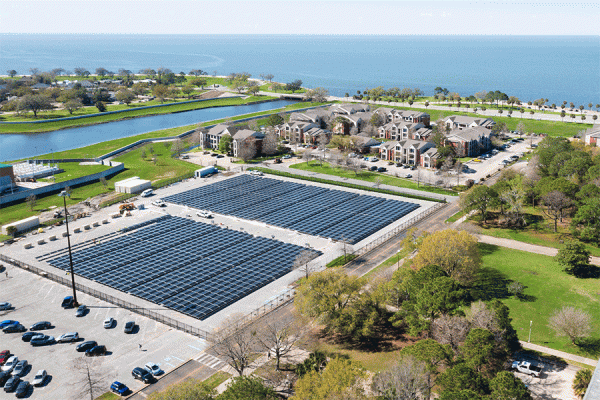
x,y
206,171
527,368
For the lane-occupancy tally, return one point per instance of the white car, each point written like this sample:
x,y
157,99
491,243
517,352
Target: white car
x,y
159,203
153,368
39,378
10,363
20,368
108,322
5,306
204,214
68,337
255,172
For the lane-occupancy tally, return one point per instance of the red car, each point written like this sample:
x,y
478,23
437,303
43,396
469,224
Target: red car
x,y
4,355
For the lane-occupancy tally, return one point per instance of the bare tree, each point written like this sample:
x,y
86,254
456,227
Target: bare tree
x,y
91,380
450,330
345,247
31,201
571,322
236,345
307,156
269,145
408,379
103,181
177,147
354,165
556,203
247,149
302,262
278,335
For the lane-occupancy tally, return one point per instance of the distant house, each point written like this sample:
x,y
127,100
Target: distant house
x,y
211,138
349,108
430,157
470,142
316,116
242,137
40,86
395,115
407,151
294,131
463,122
361,144
592,136
399,130
314,135
345,122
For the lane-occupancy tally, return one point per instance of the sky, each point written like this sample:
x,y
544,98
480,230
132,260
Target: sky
x,y
328,17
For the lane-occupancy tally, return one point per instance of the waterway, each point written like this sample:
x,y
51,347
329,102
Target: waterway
x,y
17,146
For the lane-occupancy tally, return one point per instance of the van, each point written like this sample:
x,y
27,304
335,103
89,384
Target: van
x,y
147,192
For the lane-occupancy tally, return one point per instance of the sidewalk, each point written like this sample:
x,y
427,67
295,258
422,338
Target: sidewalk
x,y
531,248
561,354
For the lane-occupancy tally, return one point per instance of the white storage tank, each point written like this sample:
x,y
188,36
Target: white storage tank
x,y
132,185
22,225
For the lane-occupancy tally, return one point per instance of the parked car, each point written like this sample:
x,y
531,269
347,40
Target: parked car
x,y
255,172
81,311
185,157
14,328
129,327
4,376
141,374
406,166
373,168
108,323
10,363
22,389
352,155
5,306
409,176
68,302
204,214
27,336
20,368
86,346
42,341
96,351
527,368
220,156
39,378
159,203
8,322
4,355
119,388
374,159
38,326
286,157
413,168
381,169
12,383
68,337
153,368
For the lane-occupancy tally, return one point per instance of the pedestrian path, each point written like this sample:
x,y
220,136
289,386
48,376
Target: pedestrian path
x,y
210,361
557,353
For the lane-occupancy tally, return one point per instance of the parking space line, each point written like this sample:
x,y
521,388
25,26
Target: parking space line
x,y
177,358
194,347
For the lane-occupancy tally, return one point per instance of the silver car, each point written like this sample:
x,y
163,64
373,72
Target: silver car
x,y
108,322
68,337
40,377
5,306
10,363
20,368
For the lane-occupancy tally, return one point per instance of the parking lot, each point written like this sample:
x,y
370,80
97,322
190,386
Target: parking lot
x,y
554,382
37,299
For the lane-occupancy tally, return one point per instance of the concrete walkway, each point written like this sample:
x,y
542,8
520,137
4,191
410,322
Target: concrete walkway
x,y
561,354
532,248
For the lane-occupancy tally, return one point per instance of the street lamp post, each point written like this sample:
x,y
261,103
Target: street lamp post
x,y
529,339
64,194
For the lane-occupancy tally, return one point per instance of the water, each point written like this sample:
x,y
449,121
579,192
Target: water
x,y
17,146
558,68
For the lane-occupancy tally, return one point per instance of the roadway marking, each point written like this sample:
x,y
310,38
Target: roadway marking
x,y
194,347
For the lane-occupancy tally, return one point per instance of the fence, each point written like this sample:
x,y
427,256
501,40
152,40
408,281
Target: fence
x,y
111,299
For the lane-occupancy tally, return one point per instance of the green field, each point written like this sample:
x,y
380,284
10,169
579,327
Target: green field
x,y
73,170
369,176
547,288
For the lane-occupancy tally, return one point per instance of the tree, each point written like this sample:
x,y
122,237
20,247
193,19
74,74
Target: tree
x,y
556,203
101,71
407,379
278,335
571,322
31,201
274,120
480,197
91,380
100,106
248,388
451,330
247,149
188,90
506,385
582,380
318,95
161,91
575,258
586,221
479,351
103,182
72,105
189,389
461,377
126,96
80,71
456,253
433,354
341,379
294,85
236,345
35,103
11,73
270,142
225,144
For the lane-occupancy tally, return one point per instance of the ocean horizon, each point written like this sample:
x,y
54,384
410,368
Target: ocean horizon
x,y
559,68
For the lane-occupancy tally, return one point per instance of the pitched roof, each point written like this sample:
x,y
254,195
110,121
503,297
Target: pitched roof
x,y
219,129
465,120
246,133
473,133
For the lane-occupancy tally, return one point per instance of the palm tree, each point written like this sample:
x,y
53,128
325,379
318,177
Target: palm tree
x,y
582,117
426,104
581,107
521,111
594,117
562,115
581,382
531,113
590,106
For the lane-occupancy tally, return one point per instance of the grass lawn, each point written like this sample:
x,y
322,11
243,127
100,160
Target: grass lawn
x,y
74,170
108,396
216,379
341,260
455,217
265,88
374,361
369,176
547,288
51,126
395,259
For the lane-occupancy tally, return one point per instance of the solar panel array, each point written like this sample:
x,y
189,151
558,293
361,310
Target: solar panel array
x,y
314,210
191,267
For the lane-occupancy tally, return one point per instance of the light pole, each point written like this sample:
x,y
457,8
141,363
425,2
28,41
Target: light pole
x,y
529,339
64,194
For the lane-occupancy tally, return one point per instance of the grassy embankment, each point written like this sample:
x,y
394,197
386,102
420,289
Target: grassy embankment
x,y
369,176
168,109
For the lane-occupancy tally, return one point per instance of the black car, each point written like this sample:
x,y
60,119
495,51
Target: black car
x,y
4,375
38,326
373,168
86,345
42,340
22,389
129,327
81,311
14,328
96,351
142,374
27,336
381,169
68,302
12,383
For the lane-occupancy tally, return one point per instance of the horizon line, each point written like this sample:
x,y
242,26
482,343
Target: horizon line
x,y
298,34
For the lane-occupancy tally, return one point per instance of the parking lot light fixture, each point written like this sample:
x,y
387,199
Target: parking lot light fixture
x,y
64,194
